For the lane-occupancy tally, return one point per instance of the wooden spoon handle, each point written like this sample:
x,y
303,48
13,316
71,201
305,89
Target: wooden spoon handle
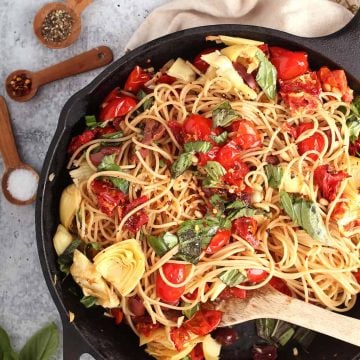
x,y
86,61
78,5
313,317
7,141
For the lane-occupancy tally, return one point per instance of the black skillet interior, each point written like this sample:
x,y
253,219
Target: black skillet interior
x,y
91,332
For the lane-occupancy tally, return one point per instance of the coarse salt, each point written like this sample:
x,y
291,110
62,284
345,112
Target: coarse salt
x,y
22,184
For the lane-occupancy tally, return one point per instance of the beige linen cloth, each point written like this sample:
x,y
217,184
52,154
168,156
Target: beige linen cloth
x,y
306,18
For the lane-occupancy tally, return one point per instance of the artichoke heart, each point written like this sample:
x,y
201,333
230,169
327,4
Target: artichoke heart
x,y
354,171
122,265
211,348
62,239
69,204
245,54
294,183
85,275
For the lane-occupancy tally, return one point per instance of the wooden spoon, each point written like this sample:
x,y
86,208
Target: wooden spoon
x,y
86,61
267,302
72,7
11,156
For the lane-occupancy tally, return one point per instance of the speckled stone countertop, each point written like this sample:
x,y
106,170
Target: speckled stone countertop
x,y
25,303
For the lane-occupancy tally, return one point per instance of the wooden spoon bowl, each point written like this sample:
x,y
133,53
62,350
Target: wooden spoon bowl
x,y
72,7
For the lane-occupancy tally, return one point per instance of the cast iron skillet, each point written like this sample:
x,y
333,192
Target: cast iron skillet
x,y
91,332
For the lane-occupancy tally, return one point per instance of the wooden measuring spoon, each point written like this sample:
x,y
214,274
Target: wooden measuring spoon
x,y
267,302
11,156
86,61
72,7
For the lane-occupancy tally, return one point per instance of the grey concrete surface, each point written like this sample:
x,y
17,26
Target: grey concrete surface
x,y
25,303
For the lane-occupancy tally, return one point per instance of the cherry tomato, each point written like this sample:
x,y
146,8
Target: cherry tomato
x,y
174,273
314,142
256,275
203,322
328,181
137,79
193,295
197,352
117,107
201,64
165,79
205,157
228,156
198,127
236,176
80,140
247,136
288,64
232,292
335,81
117,314
246,228
113,94
108,197
179,337
219,240
280,285
357,276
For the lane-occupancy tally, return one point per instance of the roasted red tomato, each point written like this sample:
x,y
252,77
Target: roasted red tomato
x,y
201,64
80,140
117,107
289,64
107,196
137,79
280,285
246,228
165,79
198,127
208,156
229,155
197,352
232,292
117,314
219,240
335,81
247,136
140,218
328,181
178,131
174,273
354,148
357,276
145,326
235,176
179,337
193,295
203,322
314,142
256,275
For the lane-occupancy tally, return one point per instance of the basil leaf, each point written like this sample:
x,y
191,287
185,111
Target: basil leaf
x,y
197,146
305,214
66,258
218,202
88,301
183,162
114,135
355,106
274,175
121,184
223,115
214,170
189,241
232,277
6,351
240,209
148,103
42,345
190,313
266,75
221,138
161,245
90,121
353,125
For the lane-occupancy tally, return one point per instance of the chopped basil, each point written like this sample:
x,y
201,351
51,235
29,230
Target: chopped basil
x,y
94,245
114,135
121,184
232,277
162,244
266,76
283,332
355,106
274,175
214,170
239,209
265,327
221,138
88,301
197,146
354,128
190,313
305,214
223,115
90,121
183,162
218,202
148,103
66,258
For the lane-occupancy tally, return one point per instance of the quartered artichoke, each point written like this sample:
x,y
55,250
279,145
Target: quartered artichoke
x,y
69,204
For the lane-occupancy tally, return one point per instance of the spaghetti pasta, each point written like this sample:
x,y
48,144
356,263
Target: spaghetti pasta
x,y
277,184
